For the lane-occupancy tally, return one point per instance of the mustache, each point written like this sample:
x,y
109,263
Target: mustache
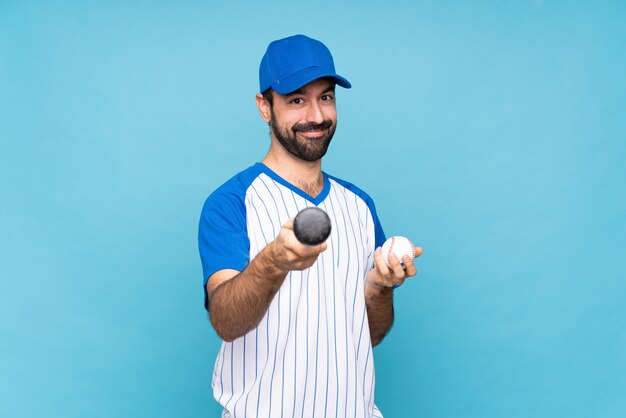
x,y
309,127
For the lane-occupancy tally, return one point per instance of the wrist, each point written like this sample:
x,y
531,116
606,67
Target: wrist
x,y
375,281
270,261
374,289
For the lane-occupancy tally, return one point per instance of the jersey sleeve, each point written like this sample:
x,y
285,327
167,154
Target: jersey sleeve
x,y
379,233
222,234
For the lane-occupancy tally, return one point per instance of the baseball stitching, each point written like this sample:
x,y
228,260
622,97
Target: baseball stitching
x,y
393,241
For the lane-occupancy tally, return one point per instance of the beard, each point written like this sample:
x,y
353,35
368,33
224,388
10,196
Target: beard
x,y
307,149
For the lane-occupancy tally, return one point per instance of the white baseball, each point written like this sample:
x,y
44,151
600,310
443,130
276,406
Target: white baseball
x,y
400,246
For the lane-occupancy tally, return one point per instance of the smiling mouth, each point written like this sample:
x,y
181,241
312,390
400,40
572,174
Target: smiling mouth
x,y
312,134
313,130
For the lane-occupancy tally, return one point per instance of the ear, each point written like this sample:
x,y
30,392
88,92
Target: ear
x,y
264,107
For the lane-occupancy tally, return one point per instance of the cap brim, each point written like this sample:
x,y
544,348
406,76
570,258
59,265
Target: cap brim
x,y
304,77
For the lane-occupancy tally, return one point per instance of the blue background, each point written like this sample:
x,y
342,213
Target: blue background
x,y
491,133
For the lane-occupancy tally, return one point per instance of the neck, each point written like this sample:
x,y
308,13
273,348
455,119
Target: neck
x,y
306,175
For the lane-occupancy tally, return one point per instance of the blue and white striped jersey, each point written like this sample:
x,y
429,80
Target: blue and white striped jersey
x,y
311,354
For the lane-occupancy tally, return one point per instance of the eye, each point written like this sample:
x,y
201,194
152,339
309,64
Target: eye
x,y
296,100
327,97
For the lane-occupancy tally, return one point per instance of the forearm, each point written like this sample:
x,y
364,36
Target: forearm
x,y
239,304
380,281
379,303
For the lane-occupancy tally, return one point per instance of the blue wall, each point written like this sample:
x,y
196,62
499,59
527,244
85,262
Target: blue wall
x,y
491,133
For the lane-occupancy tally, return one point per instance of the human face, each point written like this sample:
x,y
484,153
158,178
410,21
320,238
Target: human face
x,y
305,120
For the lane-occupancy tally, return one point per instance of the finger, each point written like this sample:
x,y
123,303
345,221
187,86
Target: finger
x,y
318,248
396,267
409,266
418,251
289,224
380,263
308,250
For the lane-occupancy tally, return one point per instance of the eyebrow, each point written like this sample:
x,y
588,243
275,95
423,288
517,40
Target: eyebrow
x,y
301,91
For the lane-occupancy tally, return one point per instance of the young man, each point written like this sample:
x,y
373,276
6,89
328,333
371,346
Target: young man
x,y
298,322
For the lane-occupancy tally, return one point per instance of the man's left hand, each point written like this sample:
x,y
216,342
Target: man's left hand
x,y
384,276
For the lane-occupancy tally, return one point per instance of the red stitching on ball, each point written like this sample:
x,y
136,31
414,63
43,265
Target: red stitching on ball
x,y
393,241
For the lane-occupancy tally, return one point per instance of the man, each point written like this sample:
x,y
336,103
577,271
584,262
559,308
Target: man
x,y
298,322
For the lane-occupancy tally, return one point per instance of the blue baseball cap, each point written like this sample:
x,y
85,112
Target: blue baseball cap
x,y
292,62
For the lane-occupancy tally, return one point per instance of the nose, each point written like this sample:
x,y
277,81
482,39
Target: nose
x,y
314,113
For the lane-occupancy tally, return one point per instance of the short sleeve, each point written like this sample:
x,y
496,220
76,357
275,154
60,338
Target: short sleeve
x,y
379,233
222,234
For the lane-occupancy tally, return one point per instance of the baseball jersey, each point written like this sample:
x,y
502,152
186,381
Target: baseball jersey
x,y
311,354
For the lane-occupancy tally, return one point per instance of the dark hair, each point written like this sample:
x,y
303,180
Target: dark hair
x,y
269,96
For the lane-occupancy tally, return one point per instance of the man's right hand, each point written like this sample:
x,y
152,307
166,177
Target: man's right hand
x,y
290,254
